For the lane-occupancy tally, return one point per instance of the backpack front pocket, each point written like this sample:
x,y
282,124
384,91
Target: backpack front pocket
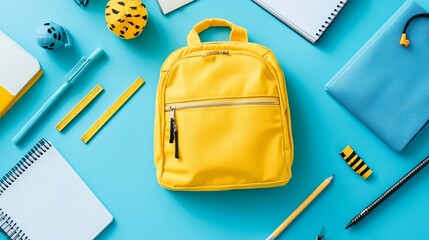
x,y
224,143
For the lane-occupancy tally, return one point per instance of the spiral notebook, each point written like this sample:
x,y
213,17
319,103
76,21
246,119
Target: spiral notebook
x,y
42,197
310,18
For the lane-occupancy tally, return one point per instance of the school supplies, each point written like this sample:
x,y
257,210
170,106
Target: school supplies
x,y
51,35
42,197
310,18
222,116
112,110
389,192
19,70
385,85
79,107
168,6
355,162
321,235
70,78
127,18
301,208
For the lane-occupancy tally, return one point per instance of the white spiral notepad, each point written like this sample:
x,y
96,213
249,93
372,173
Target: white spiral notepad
x,y
310,18
42,197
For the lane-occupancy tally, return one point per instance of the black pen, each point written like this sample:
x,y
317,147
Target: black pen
x,y
389,192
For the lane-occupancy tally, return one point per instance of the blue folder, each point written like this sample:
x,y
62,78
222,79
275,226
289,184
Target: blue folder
x,y
386,85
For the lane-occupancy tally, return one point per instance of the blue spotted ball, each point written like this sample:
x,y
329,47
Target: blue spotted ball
x,y
51,35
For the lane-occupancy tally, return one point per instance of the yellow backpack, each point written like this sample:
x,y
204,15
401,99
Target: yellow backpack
x,y
222,116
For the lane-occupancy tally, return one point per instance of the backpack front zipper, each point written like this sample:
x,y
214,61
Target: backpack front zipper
x,y
172,108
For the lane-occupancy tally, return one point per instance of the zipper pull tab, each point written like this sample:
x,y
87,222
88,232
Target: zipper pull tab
x,y
172,124
176,146
174,135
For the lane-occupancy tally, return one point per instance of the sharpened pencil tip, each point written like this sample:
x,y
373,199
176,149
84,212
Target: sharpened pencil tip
x,y
349,225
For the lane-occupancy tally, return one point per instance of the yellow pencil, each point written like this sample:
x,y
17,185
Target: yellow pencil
x,y
301,207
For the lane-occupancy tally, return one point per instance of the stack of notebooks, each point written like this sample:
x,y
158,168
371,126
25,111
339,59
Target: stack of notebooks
x,y
42,197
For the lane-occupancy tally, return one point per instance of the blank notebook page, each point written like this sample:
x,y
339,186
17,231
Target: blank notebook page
x,y
50,201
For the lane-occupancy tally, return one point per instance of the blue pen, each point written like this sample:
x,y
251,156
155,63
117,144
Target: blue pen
x,y
70,78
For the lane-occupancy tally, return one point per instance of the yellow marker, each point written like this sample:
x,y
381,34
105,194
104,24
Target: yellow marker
x,y
112,110
355,162
79,107
301,208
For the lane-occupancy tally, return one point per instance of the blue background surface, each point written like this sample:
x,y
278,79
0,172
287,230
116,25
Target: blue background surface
x,y
118,163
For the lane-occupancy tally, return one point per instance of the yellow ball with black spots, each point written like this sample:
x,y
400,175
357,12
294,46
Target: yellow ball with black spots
x,y
126,18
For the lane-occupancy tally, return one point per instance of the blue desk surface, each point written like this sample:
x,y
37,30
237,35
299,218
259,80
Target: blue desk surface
x,y
118,163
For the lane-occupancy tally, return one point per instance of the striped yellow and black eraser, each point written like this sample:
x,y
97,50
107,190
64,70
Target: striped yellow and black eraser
x,y
355,162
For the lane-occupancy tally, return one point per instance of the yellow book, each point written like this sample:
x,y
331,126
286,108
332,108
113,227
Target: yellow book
x,y
19,70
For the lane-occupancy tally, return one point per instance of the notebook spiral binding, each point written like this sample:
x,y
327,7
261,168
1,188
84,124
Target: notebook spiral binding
x,y
9,227
331,17
31,157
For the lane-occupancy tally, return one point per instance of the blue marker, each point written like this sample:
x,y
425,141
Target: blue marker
x,y
70,78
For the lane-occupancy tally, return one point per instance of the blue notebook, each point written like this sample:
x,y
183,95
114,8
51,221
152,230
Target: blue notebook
x,y
385,85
